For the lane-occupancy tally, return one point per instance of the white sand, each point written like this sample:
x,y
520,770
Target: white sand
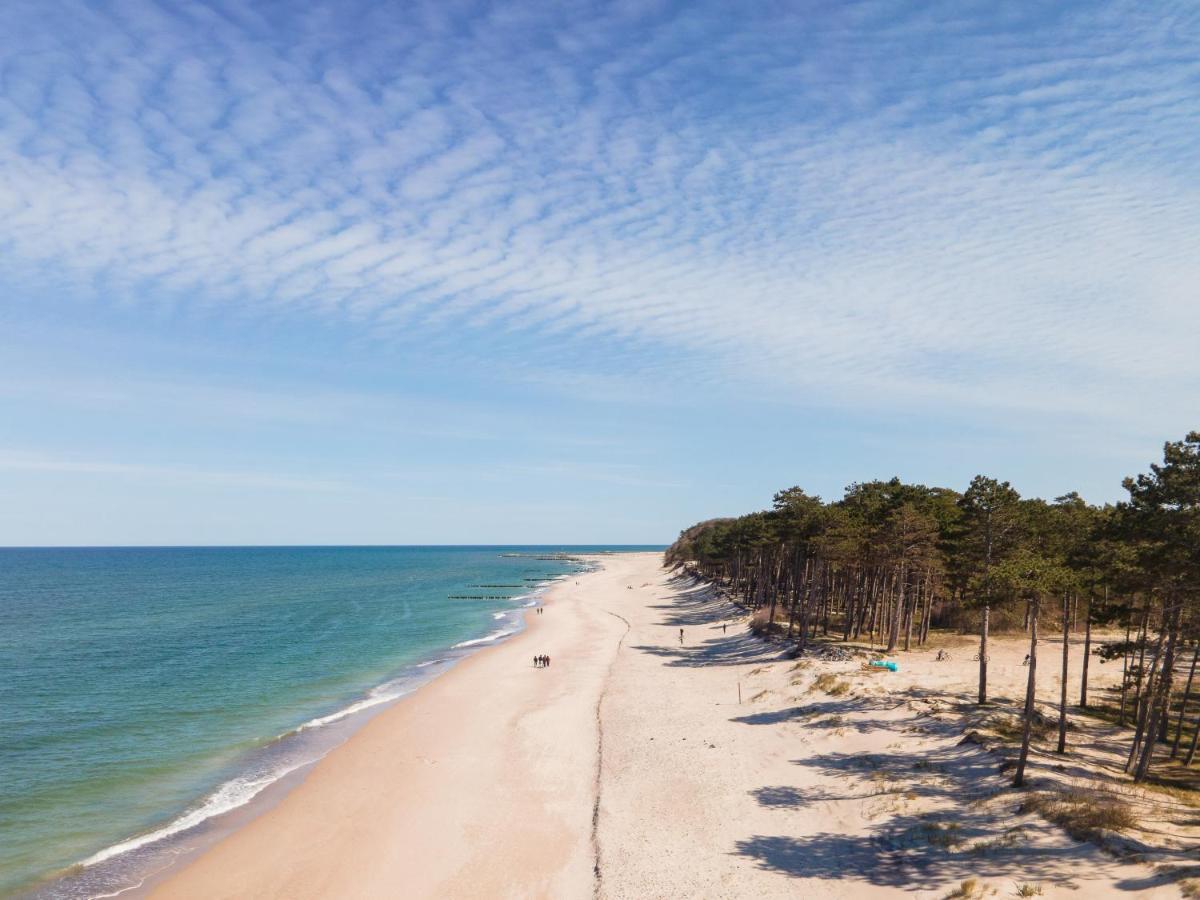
x,y
485,783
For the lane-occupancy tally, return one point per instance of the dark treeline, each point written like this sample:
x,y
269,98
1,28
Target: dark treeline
x,y
889,561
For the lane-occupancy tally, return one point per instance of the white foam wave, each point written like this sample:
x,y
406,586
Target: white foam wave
x,y
498,616
494,636
230,795
375,698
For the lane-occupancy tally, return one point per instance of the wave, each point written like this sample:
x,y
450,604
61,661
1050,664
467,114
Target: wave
x,y
375,698
494,636
241,790
232,794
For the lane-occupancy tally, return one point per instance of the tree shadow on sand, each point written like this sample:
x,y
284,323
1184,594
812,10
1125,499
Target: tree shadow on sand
x,y
732,650
910,853
811,713
694,603
696,606
970,823
974,829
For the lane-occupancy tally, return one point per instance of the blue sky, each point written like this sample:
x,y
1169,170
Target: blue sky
x,y
573,272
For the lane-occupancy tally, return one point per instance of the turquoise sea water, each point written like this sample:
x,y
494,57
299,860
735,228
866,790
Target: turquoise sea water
x,y
142,691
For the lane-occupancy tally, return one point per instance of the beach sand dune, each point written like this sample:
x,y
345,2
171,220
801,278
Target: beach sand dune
x,y
632,767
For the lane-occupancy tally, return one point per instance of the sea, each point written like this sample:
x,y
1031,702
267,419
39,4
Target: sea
x,y
145,693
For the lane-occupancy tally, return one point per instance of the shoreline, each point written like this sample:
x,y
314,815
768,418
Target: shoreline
x,y
670,752
390,805
131,867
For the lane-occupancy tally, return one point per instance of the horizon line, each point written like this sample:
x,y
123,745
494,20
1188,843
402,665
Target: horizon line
x,y
309,546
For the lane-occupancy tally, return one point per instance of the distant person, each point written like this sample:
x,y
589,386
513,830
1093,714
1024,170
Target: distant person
x,y
723,627
547,658
535,662
680,637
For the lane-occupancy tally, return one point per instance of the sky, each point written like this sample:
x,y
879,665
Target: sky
x,y
576,272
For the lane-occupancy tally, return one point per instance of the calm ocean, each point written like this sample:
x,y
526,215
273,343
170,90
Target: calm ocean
x,y
143,691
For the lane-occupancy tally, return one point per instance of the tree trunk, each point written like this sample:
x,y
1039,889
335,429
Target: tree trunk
x,y
928,615
1027,730
897,612
908,622
1124,675
1066,652
983,654
1087,650
1160,700
1187,692
1141,702
1192,747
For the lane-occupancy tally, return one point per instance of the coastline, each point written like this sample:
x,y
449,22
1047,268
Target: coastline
x,y
667,752
476,751
132,866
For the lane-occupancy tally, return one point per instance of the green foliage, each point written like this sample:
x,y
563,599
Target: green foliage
x,y
890,560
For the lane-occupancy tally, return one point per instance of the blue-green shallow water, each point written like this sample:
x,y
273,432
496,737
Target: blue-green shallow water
x,y
144,690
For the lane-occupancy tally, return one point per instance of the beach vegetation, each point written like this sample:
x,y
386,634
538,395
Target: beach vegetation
x,y
831,684
890,562
968,889
1085,814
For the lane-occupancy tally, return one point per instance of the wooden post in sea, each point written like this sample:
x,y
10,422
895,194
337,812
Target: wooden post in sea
x,y
739,693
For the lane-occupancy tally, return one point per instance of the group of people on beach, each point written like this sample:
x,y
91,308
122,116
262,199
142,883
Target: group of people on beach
x,y
541,661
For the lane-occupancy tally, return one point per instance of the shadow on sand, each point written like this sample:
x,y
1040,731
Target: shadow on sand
x,y
695,606
970,825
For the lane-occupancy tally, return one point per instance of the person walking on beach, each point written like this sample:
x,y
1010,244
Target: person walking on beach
x,y
724,625
680,637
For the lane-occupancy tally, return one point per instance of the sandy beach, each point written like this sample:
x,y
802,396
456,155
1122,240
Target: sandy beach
x,y
632,767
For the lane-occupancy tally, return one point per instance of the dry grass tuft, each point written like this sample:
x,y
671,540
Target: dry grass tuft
x,y
942,835
1029,890
1163,783
1011,838
967,889
830,684
1084,814
1011,727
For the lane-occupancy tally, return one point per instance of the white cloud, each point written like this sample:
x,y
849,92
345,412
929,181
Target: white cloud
x,y
34,463
892,203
